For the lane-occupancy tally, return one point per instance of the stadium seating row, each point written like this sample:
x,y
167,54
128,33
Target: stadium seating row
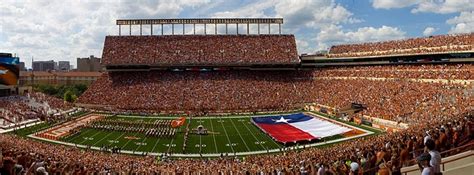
x,y
247,91
440,43
429,71
200,50
16,109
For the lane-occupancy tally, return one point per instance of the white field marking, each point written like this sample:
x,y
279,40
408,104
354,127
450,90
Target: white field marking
x,y
117,138
139,145
156,143
90,136
266,135
129,140
76,136
102,138
238,132
113,141
200,137
214,137
171,145
248,129
228,139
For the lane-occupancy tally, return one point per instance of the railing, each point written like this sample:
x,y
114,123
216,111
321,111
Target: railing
x,y
457,150
467,147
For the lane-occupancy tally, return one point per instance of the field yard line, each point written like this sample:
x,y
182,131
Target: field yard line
x,y
156,143
102,138
71,138
273,141
200,141
129,141
238,132
118,137
90,137
143,141
228,139
259,142
214,136
169,147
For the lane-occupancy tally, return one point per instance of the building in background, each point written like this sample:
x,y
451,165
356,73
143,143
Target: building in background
x,y
22,66
43,65
58,78
90,64
64,66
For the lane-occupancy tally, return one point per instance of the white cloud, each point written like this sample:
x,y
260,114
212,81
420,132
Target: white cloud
x,y
312,13
65,30
429,31
254,10
464,23
333,34
460,24
427,6
389,4
444,6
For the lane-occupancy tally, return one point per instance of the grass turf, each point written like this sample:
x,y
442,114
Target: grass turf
x,y
226,135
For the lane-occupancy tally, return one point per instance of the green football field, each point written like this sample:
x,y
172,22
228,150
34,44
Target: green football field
x,y
226,135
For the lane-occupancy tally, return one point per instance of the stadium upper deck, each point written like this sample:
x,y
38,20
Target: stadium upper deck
x,y
203,49
413,46
200,50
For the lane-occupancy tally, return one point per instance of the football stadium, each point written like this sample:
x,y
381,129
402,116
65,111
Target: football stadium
x,y
246,103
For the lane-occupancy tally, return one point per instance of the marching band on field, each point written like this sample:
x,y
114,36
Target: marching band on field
x,y
158,128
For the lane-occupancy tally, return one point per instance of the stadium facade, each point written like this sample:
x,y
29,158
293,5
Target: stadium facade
x,y
232,73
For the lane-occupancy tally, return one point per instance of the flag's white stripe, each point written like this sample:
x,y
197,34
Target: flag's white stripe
x,y
320,128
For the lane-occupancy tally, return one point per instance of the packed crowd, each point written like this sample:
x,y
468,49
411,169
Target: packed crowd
x,y
53,102
194,91
227,91
15,109
200,50
383,154
440,117
429,71
439,43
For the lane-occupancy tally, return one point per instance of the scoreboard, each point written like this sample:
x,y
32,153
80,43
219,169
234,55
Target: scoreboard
x,y
9,70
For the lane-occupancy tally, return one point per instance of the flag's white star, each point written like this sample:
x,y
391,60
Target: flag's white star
x,y
282,119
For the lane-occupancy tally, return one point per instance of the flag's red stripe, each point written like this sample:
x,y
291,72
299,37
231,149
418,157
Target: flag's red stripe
x,y
285,132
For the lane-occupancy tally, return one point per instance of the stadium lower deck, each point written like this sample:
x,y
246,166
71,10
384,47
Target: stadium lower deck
x,y
225,135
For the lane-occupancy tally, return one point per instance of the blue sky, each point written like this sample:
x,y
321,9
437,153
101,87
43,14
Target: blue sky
x,y
65,30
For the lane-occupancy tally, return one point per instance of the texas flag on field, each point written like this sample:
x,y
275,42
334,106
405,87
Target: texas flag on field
x,y
297,127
